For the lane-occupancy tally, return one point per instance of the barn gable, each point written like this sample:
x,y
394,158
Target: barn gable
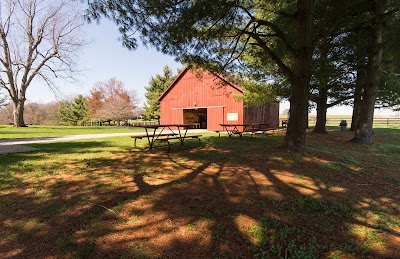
x,y
217,84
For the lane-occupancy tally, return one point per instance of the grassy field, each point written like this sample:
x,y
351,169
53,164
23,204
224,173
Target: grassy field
x,y
229,198
7,131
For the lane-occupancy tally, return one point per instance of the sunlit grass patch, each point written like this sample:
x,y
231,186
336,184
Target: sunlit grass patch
x,y
346,250
27,228
31,225
257,232
331,165
134,219
370,238
33,131
273,238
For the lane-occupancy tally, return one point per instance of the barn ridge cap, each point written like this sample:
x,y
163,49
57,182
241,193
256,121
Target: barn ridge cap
x,y
184,71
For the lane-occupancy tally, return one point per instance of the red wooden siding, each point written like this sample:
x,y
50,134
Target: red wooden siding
x,y
268,113
192,91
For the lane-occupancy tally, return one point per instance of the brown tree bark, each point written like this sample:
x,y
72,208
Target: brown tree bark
x,y
357,99
323,78
364,130
296,131
322,108
18,113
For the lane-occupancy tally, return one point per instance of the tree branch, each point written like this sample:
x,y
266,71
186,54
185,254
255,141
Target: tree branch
x,y
285,69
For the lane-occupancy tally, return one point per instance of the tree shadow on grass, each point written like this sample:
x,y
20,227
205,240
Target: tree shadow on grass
x,y
228,199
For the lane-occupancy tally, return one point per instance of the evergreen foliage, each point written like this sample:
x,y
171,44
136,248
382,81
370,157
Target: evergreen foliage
x,y
157,85
74,112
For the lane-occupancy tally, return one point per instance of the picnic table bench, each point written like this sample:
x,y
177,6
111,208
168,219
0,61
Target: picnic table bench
x,y
236,129
259,128
239,129
141,136
167,139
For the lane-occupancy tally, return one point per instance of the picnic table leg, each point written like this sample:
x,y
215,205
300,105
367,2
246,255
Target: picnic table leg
x,y
169,146
150,139
240,133
184,135
228,131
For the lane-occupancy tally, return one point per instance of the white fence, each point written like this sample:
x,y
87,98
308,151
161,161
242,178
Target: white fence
x,y
377,121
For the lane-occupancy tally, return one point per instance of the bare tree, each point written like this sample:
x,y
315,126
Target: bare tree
x,y
39,39
110,100
42,113
6,114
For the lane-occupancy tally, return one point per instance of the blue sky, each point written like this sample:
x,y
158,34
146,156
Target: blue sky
x,y
105,58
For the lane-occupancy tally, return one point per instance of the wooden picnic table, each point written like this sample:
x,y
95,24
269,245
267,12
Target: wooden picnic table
x,y
176,131
239,129
233,128
255,128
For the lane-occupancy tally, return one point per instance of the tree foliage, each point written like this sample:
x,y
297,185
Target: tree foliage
x,y
333,78
42,113
109,100
157,85
74,112
377,16
389,92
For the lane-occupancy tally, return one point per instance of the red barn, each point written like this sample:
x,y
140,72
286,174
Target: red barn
x,y
208,100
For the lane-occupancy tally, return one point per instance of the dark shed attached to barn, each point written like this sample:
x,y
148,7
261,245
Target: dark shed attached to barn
x,y
208,100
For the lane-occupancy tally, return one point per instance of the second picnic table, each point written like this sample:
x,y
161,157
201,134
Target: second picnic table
x,y
153,135
239,129
234,128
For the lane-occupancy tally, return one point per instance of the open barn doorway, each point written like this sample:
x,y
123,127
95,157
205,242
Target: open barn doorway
x,y
197,117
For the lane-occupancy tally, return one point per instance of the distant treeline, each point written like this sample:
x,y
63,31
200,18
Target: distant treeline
x,y
35,114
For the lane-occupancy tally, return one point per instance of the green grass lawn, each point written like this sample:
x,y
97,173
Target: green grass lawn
x,y
7,131
228,198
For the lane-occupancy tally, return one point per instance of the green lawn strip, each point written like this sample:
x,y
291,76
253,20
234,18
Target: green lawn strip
x,y
9,132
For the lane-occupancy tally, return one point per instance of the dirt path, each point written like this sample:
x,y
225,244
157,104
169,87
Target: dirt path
x,y
19,145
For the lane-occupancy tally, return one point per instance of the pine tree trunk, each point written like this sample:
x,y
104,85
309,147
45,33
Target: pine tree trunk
x,y
323,78
322,107
18,112
296,130
356,107
364,130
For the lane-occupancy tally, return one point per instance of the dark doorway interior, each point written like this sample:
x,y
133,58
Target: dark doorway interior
x,y
196,116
